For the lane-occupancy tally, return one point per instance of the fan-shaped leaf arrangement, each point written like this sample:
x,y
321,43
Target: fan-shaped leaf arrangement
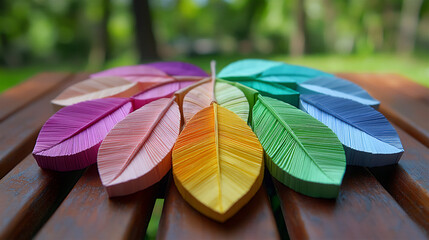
x,y
368,138
70,139
217,159
302,153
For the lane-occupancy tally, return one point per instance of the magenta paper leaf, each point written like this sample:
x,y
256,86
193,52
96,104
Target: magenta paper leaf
x,y
137,152
70,139
165,90
178,69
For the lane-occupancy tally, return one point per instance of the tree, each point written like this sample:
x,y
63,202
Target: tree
x,y
408,26
299,37
145,38
99,52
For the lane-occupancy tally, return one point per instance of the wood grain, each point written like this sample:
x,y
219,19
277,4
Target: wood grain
x,y
28,196
408,182
28,91
88,213
363,210
19,131
403,102
180,221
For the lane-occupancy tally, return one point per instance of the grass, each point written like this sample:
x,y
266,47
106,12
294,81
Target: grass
x,y
416,69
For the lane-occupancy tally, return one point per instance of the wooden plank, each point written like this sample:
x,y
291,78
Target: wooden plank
x,y
28,91
180,221
408,182
363,210
19,131
403,102
88,213
28,196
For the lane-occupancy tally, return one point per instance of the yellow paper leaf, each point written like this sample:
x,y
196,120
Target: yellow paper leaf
x,y
217,162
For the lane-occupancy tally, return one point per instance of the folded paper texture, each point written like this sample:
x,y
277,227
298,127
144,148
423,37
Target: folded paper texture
x,y
137,152
301,152
217,162
70,139
368,138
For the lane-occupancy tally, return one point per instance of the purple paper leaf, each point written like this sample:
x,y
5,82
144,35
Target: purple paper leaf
x,y
70,139
132,71
178,69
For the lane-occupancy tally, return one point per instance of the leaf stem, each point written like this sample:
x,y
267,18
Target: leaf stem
x,y
213,70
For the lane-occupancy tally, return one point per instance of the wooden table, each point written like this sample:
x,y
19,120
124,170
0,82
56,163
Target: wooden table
x,y
389,202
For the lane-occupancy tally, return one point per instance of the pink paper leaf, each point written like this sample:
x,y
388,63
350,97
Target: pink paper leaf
x,y
137,152
70,139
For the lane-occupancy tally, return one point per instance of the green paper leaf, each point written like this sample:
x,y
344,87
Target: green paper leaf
x,y
301,152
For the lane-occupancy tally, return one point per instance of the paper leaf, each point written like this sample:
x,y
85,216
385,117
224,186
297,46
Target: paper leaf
x,y
368,138
250,93
70,139
95,88
337,87
227,96
164,90
288,73
131,71
137,152
274,90
146,76
302,153
270,72
217,162
178,69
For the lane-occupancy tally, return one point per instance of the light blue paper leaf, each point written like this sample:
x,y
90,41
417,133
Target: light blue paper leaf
x,y
368,138
337,87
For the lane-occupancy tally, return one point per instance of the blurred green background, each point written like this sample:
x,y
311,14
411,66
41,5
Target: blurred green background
x,y
332,35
